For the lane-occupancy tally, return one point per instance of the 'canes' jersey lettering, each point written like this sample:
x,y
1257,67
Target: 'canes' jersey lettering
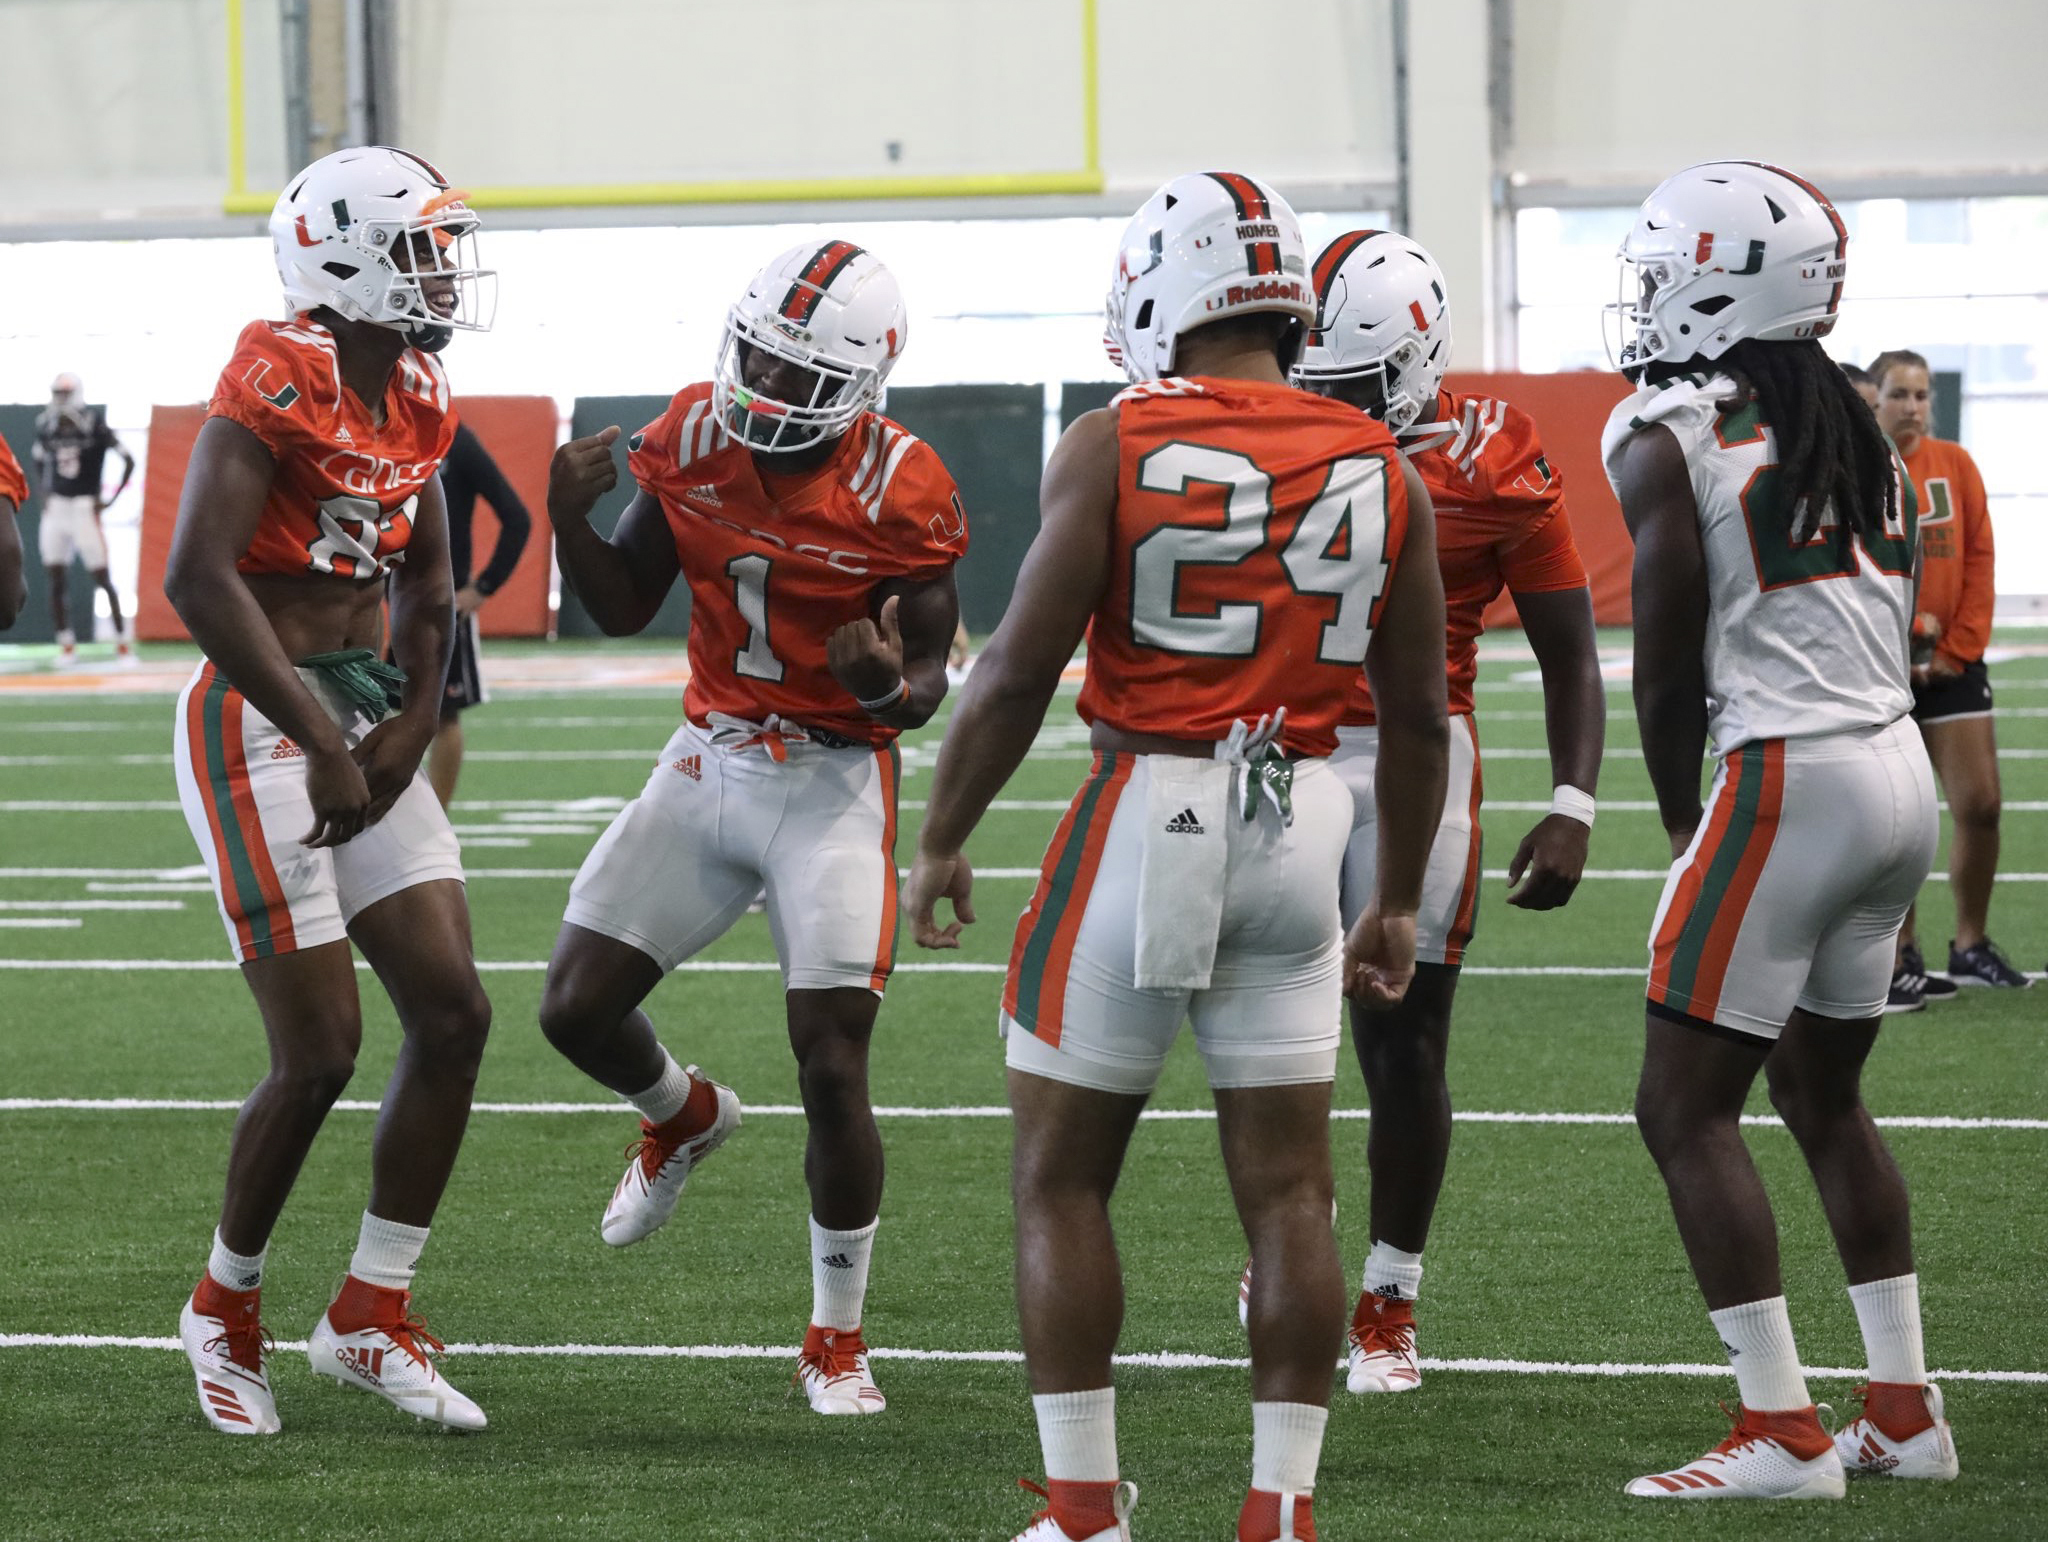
x,y
1801,639
13,485
1256,529
777,564
1500,524
342,499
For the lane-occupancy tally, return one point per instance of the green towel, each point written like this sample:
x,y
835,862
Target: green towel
x,y
364,679
1271,776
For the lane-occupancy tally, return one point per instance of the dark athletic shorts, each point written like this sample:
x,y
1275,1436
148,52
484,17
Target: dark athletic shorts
x,y
1967,695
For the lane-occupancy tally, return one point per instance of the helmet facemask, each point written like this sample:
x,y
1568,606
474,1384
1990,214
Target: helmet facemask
x,y
436,284
841,390
1382,387
1630,328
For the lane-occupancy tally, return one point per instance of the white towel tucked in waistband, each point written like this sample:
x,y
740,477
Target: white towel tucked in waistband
x,y
1181,871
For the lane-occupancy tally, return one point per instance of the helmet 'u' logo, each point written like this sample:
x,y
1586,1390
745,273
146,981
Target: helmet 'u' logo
x,y
1755,262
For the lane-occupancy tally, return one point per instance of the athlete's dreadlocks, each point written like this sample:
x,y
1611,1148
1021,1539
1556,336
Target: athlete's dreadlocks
x,y
1829,445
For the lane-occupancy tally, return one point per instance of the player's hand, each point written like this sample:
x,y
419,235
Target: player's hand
x,y
1922,677
389,757
933,878
340,797
581,473
1944,668
468,599
1549,863
1379,959
867,658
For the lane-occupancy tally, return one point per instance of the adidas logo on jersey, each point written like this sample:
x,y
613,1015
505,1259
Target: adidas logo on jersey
x,y
705,494
837,1261
692,766
1185,823
286,750
341,433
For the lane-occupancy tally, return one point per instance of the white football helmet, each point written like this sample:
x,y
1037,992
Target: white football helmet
x,y
830,308
338,230
1205,246
1381,313
1724,251
67,390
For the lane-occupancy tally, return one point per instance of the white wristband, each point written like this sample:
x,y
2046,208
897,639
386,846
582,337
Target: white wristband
x,y
1567,800
888,703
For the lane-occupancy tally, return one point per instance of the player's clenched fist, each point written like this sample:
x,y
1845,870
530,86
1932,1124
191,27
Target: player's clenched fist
x,y
931,879
581,473
867,657
1379,959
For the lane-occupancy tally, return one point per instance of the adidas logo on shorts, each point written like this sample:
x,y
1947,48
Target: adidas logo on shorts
x,y
692,766
1185,823
286,750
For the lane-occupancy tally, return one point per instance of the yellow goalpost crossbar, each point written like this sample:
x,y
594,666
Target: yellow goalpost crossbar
x,y
1087,178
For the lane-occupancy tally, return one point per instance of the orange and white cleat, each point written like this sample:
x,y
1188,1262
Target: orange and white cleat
x,y
225,1340
1044,1528
1381,1346
1276,1517
1899,1434
1787,1455
662,1160
833,1371
370,1338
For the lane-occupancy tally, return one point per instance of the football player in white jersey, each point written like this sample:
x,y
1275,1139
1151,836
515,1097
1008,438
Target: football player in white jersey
x,y
1774,573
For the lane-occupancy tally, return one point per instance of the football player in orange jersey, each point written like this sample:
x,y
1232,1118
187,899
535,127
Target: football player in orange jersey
x,y
310,496
13,493
818,541
1381,343
1236,551
1951,688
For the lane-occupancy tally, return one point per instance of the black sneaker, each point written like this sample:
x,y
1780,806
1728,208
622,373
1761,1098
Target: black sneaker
x,y
1933,986
1908,992
1984,965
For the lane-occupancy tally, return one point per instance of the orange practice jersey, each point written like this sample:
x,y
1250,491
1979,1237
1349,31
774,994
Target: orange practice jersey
x,y
13,485
777,564
1956,582
343,495
1500,524
1256,529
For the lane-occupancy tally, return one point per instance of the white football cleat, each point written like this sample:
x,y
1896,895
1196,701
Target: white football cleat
x,y
1380,1348
1929,1449
1787,1455
833,1371
1044,1528
392,1357
660,1166
225,1341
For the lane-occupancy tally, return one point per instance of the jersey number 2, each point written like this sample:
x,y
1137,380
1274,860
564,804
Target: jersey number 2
x,y
749,575
1333,552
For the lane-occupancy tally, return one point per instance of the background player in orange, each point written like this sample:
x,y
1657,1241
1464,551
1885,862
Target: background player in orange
x,y
312,484
818,541
70,451
1381,344
13,493
1951,689
1236,552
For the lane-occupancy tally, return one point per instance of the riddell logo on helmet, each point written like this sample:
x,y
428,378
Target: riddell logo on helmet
x,y
1245,294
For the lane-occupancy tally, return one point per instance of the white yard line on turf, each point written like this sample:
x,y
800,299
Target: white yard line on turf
x,y
95,904
978,1111
1167,1360
39,923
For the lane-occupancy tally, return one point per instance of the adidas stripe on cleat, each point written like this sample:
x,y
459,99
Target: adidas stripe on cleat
x,y
661,1163
386,1349
1775,1455
225,1340
832,1368
1899,1434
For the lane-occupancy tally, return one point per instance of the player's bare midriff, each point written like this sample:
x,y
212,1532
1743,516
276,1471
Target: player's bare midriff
x,y
318,613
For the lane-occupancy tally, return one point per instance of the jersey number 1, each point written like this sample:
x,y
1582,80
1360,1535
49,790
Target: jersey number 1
x,y
749,575
1333,552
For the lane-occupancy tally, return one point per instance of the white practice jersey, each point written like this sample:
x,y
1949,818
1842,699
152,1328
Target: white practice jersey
x,y
1801,639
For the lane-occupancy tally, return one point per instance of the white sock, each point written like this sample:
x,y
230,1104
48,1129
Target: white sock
x,y
67,639
1287,1442
1889,1313
387,1253
1758,1338
665,1099
1077,1433
236,1271
1392,1273
839,1274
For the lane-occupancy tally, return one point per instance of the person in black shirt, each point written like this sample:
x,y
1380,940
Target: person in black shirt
x,y
467,474
70,451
